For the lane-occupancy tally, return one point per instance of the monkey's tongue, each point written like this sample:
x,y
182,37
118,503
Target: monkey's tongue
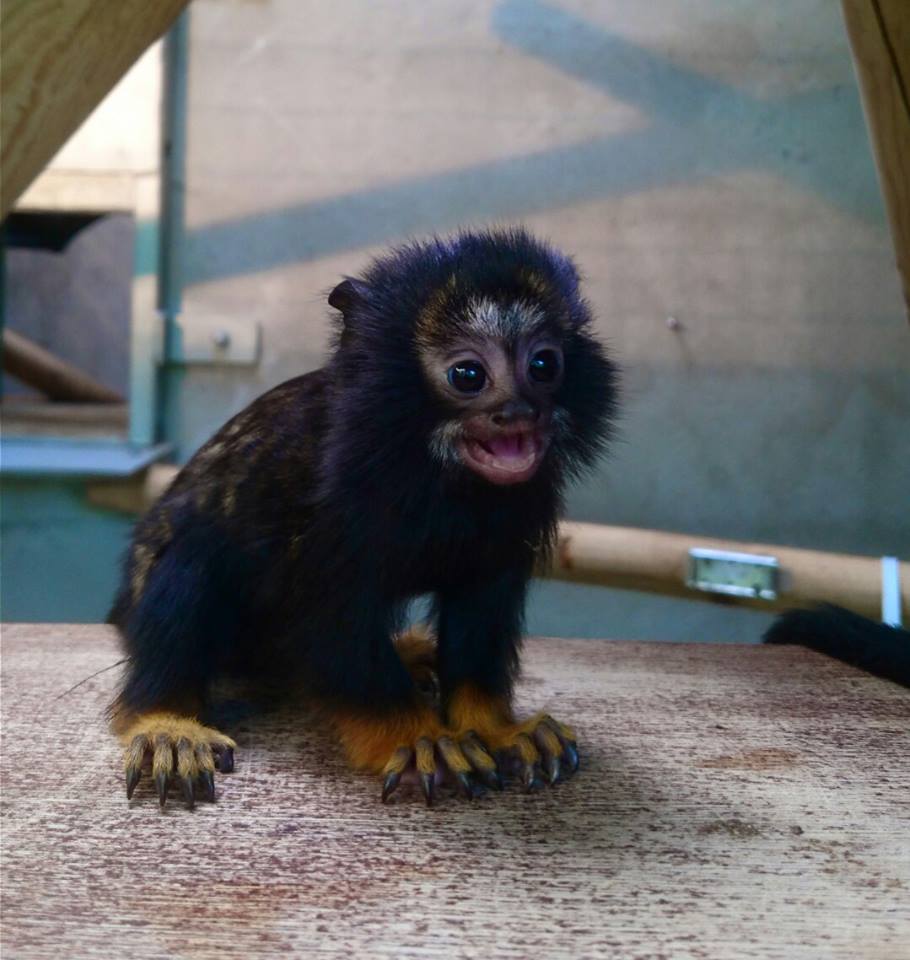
x,y
504,458
511,452
513,446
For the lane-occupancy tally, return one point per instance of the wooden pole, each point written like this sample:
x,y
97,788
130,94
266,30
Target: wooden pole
x,y
879,32
657,562
57,379
634,559
57,62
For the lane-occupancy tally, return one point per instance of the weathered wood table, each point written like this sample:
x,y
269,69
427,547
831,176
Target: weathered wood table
x,y
733,802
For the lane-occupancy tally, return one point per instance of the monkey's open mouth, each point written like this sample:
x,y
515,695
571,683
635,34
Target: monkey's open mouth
x,y
504,458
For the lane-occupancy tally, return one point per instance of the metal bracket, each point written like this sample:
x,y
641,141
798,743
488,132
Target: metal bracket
x,y
213,340
734,574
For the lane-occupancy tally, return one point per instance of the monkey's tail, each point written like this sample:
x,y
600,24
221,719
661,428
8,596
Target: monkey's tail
x,y
844,635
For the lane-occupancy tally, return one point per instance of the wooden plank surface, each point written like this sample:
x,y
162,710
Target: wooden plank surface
x,y
58,62
29,418
733,802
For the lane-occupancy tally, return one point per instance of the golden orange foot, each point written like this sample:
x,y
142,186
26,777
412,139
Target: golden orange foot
x,y
540,745
415,741
175,746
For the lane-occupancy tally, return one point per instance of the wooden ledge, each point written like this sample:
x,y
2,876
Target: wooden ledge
x,y
733,801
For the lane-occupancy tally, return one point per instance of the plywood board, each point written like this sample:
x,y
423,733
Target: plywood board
x,y
58,62
732,802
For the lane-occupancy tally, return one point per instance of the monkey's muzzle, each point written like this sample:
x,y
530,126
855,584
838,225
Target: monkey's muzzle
x,y
504,456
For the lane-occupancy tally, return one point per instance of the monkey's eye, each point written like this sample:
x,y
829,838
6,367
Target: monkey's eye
x,y
467,376
543,367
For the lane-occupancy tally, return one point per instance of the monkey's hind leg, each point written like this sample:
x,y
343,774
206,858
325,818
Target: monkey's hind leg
x,y
537,746
174,746
409,740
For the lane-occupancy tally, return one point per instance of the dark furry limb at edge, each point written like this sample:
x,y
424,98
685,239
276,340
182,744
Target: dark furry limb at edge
x,y
874,647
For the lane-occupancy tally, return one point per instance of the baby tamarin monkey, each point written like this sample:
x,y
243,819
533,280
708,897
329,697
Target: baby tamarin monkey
x,y
428,456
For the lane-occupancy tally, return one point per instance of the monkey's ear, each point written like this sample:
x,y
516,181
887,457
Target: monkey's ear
x,y
348,295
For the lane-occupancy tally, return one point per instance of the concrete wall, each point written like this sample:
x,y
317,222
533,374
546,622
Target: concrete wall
x,y
702,159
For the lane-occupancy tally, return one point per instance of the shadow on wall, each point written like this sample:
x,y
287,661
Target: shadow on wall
x,y
699,128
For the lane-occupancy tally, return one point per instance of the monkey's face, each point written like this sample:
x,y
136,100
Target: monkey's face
x,y
478,350
497,377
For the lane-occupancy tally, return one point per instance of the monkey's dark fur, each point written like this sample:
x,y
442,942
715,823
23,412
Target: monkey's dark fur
x,y
875,647
294,538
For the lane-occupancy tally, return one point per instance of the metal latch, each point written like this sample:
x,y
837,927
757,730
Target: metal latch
x,y
734,574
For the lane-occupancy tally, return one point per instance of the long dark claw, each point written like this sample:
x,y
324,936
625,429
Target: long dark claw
x,y
227,760
529,779
425,762
162,783
530,758
162,766
551,767
468,787
396,766
132,778
186,787
568,747
480,759
186,769
459,766
208,784
390,785
492,779
550,744
135,755
428,785
205,764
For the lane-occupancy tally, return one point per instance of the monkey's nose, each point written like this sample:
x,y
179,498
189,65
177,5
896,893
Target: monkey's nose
x,y
514,410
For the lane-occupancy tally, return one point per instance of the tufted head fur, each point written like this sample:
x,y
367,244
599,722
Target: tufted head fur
x,y
497,301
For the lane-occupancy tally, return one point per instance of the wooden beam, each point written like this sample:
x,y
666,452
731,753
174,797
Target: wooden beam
x,y
630,558
657,562
26,418
57,62
879,32
55,378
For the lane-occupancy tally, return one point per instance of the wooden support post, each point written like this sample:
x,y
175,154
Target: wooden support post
x,y
57,62
879,32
